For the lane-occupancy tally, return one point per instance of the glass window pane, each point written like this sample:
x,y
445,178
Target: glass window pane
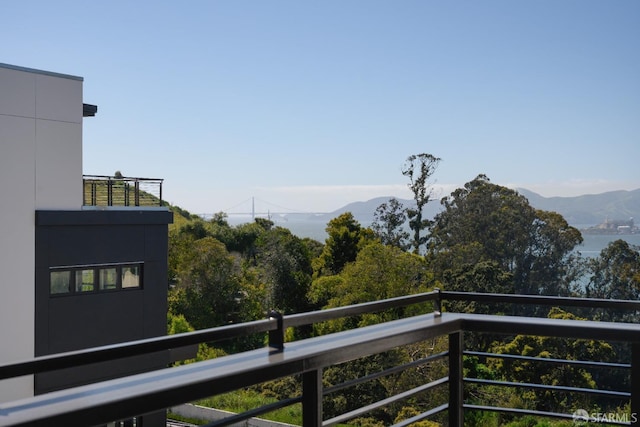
x,y
131,276
108,277
60,282
85,281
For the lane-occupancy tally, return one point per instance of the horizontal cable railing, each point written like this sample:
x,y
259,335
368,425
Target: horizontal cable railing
x,y
547,387
101,190
124,397
548,360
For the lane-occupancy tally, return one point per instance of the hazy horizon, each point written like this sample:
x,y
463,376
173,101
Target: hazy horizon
x,y
262,206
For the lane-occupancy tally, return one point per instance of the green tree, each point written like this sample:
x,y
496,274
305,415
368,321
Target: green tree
x,y
615,274
323,289
196,229
408,411
220,229
244,237
419,168
551,261
346,238
484,222
177,324
285,266
388,224
207,286
379,272
220,218
356,396
527,371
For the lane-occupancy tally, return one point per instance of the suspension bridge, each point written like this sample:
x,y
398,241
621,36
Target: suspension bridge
x,y
254,207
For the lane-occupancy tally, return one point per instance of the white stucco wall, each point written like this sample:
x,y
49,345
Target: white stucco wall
x,y
40,168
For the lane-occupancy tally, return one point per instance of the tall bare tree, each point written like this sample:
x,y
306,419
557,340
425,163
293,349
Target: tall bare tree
x,y
419,168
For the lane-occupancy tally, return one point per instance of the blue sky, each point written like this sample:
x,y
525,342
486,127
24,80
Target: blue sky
x,y
307,106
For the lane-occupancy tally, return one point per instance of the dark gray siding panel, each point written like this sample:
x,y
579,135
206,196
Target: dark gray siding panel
x,y
72,322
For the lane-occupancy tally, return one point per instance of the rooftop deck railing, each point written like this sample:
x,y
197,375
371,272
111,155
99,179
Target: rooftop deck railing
x,y
130,396
101,190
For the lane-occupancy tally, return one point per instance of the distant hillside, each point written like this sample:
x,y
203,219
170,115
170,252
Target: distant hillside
x,y
363,211
590,209
583,211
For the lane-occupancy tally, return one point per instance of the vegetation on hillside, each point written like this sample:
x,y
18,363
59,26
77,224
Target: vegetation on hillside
x,y
486,239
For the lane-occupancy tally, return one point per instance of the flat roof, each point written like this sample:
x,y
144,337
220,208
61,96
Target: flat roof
x,y
43,72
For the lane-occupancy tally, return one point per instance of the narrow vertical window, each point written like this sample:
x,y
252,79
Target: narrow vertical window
x,y
60,282
108,278
85,280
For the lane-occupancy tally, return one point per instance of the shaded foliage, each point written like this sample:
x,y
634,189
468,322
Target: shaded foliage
x,y
389,224
286,269
615,274
526,371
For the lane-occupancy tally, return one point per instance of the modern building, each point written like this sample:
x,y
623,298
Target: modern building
x,y
73,276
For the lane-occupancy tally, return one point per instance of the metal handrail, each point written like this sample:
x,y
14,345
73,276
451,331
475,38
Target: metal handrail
x,y
413,329
158,389
104,190
134,348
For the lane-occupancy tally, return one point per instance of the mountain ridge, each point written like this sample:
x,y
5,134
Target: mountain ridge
x,y
585,210
590,209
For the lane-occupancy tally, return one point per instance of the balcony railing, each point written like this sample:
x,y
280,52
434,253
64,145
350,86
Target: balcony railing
x,y
100,190
130,396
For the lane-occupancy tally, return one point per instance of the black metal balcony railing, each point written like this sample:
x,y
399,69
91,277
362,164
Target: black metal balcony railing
x,y
142,393
100,190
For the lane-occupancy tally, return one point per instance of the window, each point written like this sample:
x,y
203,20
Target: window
x,y
130,276
108,278
89,279
60,282
85,280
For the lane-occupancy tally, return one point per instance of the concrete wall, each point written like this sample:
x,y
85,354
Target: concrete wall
x,y
209,414
40,168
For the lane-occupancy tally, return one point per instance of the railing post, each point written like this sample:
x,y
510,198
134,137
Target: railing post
x,y
456,390
109,192
276,337
126,193
136,192
635,384
93,193
437,310
312,398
